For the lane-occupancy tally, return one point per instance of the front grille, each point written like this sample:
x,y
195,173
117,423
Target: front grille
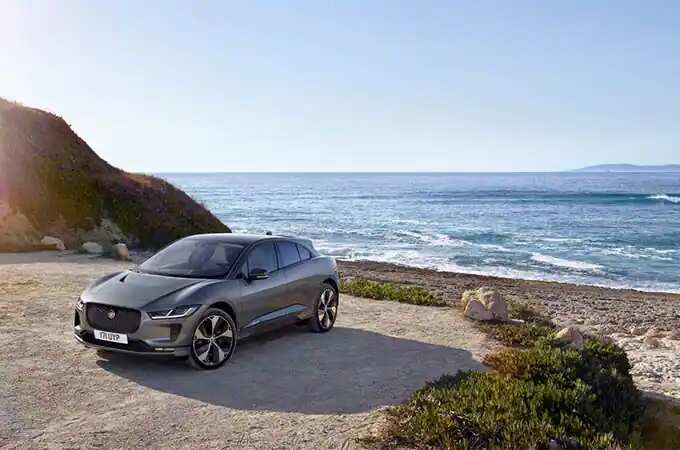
x,y
125,320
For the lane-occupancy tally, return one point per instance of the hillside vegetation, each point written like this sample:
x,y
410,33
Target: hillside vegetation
x,y
52,178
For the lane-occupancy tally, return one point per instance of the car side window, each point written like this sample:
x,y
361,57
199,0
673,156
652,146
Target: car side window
x,y
263,257
304,252
288,253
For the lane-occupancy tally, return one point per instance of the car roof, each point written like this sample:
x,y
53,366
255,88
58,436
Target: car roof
x,y
236,238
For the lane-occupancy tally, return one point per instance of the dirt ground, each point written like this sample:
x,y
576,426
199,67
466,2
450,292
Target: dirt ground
x,y
288,389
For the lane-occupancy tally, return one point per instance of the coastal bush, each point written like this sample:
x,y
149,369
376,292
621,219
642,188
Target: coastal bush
x,y
528,313
576,398
516,335
378,290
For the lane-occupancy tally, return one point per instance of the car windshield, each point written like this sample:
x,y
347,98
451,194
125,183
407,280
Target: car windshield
x,y
193,258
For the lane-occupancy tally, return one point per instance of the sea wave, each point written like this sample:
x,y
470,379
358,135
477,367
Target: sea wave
x,y
445,240
664,197
565,263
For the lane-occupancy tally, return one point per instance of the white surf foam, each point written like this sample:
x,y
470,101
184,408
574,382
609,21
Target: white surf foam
x,y
566,263
664,197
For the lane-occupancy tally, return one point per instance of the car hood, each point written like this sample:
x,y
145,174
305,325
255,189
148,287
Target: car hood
x,y
136,290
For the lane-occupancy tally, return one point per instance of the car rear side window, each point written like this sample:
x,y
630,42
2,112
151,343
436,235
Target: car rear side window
x,y
288,253
262,257
304,252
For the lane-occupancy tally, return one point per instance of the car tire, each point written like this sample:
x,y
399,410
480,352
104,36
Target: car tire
x,y
326,308
213,340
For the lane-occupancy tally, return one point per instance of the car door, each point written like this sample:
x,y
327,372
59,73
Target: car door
x,y
289,260
260,299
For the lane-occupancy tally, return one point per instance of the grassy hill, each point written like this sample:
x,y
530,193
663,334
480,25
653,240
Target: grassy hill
x,y
51,176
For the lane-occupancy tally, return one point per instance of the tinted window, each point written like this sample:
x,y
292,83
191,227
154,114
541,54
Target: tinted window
x,y
242,272
262,257
193,258
288,253
304,252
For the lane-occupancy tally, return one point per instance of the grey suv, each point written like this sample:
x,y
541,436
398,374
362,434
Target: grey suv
x,y
198,296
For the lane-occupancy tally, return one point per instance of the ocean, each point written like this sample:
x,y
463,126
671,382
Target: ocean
x,y
609,229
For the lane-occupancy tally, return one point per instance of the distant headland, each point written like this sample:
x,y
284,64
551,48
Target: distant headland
x,y
630,168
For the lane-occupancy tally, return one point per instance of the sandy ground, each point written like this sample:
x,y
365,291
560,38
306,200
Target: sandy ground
x,y
645,324
288,389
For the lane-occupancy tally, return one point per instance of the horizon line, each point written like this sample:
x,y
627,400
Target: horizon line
x,y
397,172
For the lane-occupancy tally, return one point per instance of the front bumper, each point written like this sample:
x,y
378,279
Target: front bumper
x,y
169,337
134,347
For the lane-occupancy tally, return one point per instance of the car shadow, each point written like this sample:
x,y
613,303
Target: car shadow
x,y
347,370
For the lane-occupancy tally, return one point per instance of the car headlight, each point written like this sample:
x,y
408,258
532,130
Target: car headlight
x,y
175,313
79,304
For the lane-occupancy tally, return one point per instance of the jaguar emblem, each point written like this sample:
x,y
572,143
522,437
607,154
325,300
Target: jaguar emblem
x,y
111,314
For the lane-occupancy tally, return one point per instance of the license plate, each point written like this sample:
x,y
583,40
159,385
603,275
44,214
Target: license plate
x,y
111,337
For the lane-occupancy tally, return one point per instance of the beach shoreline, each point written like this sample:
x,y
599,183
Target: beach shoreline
x,y
645,324
384,267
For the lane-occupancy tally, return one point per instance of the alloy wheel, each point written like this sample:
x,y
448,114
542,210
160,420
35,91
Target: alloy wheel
x,y
327,309
213,340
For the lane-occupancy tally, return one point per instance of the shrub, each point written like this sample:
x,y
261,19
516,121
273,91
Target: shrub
x,y
578,398
522,335
403,293
528,313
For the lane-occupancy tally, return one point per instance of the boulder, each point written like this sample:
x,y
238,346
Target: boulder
x,y
53,243
475,310
120,251
494,303
106,233
570,336
92,248
484,304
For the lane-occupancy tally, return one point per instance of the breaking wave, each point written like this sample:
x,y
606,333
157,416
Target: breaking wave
x,y
664,197
565,263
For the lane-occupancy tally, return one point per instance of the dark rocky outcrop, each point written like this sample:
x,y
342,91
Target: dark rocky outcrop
x,y
52,183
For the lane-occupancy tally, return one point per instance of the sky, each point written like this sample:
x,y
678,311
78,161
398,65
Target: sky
x,y
160,86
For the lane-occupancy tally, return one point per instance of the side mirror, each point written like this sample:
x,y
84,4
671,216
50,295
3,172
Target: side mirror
x,y
258,274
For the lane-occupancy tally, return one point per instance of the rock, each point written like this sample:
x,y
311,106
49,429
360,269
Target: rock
x,y
106,233
53,243
120,251
652,341
484,304
17,233
475,310
570,336
494,303
92,248
655,332
466,297
637,331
